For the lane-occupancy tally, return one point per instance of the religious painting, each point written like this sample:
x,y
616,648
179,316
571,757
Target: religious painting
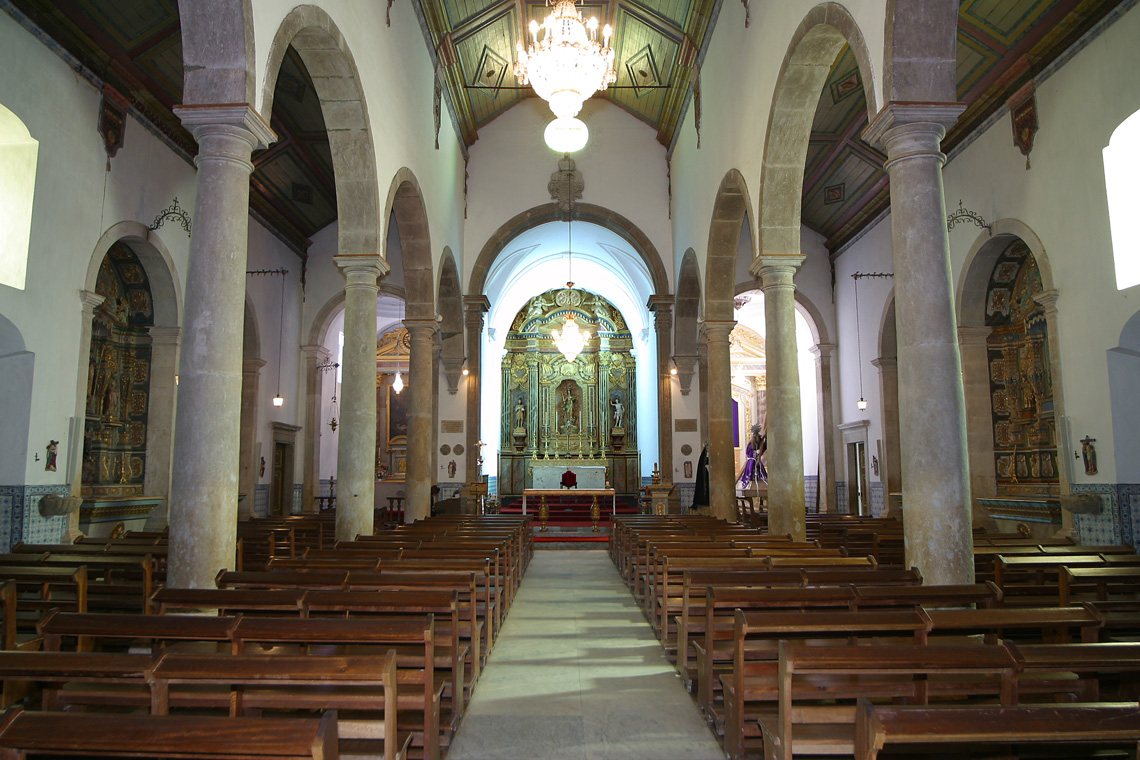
x,y
1021,386
688,469
397,416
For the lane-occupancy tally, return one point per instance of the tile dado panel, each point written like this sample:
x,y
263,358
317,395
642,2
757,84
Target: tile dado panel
x,y
1119,515
20,518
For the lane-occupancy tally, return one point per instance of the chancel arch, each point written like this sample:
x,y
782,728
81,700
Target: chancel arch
x,y
1007,338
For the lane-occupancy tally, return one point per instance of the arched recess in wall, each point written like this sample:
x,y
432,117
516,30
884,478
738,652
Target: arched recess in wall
x,y
18,154
16,370
818,41
1123,380
132,341
336,79
450,310
1011,368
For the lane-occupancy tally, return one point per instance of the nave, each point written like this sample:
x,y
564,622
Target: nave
x,y
577,673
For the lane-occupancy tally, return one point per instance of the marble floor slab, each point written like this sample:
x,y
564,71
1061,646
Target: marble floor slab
x,y
577,674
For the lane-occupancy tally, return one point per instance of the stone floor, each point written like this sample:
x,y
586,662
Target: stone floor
x,y
577,674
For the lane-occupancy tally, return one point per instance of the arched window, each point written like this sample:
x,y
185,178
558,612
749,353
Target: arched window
x,y
18,153
1121,166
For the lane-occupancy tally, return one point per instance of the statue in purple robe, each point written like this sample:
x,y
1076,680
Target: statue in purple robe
x,y
754,471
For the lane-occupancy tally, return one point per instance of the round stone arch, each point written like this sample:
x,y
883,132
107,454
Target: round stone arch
x,y
155,257
811,53
687,325
450,309
583,212
17,366
406,206
730,214
336,80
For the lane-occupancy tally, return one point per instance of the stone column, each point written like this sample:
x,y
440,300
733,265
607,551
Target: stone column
x,y
204,487
314,429
247,446
722,467
356,441
979,416
826,426
703,382
436,365
892,452
164,343
784,421
662,308
935,466
90,301
474,307
419,479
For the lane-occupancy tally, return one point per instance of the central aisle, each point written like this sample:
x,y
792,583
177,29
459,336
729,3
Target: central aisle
x,y
577,673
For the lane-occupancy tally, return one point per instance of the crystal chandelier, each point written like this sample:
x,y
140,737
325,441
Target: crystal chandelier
x,y
570,340
565,67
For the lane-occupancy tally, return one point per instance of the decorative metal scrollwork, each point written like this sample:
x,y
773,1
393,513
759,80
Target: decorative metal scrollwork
x,y
963,214
174,211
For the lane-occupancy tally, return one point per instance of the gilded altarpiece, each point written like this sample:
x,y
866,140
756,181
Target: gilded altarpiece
x,y
1021,385
574,414
118,379
392,353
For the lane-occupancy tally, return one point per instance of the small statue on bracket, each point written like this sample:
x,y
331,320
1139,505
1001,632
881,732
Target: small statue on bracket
x,y
52,450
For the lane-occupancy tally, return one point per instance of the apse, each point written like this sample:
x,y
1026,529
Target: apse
x,y
600,262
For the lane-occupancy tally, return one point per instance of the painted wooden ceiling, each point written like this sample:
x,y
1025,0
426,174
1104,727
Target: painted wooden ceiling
x,y
656,45
1002,45
135,47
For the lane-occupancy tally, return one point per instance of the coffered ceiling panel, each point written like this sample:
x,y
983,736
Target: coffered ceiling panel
x,y
488,75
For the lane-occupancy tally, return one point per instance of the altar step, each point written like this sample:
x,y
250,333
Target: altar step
x,y
571,536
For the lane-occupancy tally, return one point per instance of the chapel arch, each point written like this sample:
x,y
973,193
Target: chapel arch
x,y
887,363
1007,335
1123,380
336,80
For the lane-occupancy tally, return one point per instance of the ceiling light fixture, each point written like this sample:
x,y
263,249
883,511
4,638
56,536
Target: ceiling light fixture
x,y
566,66
570,340
279,400
398,383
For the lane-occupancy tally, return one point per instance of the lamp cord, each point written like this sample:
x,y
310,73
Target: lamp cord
x,y
858,338
280,334
569,231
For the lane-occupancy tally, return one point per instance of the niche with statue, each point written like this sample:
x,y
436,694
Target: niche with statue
x,y
558,413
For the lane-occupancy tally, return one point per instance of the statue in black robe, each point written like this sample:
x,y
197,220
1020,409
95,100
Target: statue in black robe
x,y
701,494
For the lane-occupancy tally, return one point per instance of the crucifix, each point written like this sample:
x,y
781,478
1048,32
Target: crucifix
x,y
1088,451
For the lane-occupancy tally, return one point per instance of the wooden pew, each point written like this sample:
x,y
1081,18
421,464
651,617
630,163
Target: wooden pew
x,y
1116,581
1104,725
362,685
93,735
101,630
813,678
230,601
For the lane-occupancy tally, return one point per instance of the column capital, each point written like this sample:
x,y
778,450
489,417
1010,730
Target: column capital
x,y
316,353
718,330
686,367
823,351
776,271
972,335
937,117
1048,300
90,300
165,336
357,269
201,119
886,363
660,303
251,365
477,304
421,329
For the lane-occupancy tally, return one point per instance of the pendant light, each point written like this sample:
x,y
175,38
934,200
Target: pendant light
x,y
398,383
570,340
279,400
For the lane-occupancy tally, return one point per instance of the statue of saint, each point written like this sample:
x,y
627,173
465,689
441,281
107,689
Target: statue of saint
x,y
619,411
520,413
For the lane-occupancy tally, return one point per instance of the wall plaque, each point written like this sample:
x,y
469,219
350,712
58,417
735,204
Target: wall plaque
x,y
685,426
451,426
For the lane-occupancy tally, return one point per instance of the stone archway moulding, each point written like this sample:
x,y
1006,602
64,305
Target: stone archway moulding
x,y
805,68
316,38
147,244
970,293
583,212
319,328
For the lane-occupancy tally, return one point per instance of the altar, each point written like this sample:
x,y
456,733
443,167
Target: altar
x,y
549,477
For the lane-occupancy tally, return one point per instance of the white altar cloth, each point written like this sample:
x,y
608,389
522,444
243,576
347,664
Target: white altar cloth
x,y
549,477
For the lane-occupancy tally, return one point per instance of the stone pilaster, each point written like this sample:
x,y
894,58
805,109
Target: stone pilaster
x,y
247,447
356,436
436,365
164,342
979,416
89,302
686,368
703,382
420,476
722,466
935,465
204,486
662,308
474,307
825,425
784,421
1048,301
314,429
